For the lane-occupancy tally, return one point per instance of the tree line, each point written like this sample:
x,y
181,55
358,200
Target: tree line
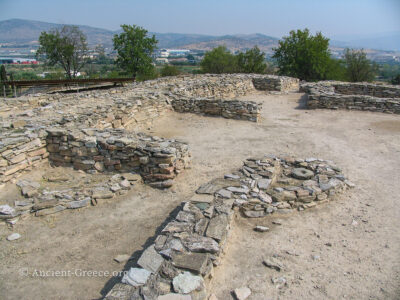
x,y
300,54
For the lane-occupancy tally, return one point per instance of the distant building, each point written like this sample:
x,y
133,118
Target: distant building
x,y
16,60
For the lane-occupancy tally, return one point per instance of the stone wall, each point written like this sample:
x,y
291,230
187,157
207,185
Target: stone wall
x,y
132,107
180,262
158,160
276,83
20,150
230,109
353,96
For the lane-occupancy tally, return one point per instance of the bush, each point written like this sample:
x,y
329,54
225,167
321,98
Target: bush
x,y
218,61
168,70
358,67
396,80
251,61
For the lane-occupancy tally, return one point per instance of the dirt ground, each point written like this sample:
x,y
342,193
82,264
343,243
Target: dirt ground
x,y
349,248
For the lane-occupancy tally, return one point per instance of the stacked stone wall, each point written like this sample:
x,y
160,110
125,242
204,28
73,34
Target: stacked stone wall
x,y
158,160
230,109
353,96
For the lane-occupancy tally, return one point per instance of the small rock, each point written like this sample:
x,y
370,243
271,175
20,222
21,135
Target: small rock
x,y
279,282
277,222
14,236
302,173
260,228
173,296
273,263
122,258
242,293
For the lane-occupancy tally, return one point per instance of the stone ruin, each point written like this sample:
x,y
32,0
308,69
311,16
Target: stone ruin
x,y
353,96
98,132
180,262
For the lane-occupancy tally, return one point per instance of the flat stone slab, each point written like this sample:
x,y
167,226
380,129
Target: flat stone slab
x,y
150,260
14,236
186,283
194,262
302,173
218,227
173,296
264,183
136,277
196,243
242,293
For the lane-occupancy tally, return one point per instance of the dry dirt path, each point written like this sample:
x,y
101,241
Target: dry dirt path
x,y
361,263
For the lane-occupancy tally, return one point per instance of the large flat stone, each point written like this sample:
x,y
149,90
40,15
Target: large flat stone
x,y
196,243
136,277
194,262
218,227
150,260
186,283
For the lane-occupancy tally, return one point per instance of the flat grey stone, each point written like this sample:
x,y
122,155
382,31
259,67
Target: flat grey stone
x,y
14,236
224,193
186,283
122,258
264,183
218,227
150,260
196,243
173,296
254,213
136,277
174,226
78,203
302,173
7,210
184,216
242,190
194,262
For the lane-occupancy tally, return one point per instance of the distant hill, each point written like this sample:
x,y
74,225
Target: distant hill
x,y
27,32
20,31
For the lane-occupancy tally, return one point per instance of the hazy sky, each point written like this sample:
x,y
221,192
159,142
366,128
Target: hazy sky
x,y
216,17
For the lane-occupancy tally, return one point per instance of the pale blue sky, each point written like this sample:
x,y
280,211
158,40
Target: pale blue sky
x,y
217,17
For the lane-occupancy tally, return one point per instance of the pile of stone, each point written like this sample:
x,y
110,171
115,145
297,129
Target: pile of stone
x,y
158,160
42,201
353,96
20,150
179,264
230,109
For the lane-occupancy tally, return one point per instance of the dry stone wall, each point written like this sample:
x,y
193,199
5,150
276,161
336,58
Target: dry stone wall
x,y
158,160
23,120
353,96
180,262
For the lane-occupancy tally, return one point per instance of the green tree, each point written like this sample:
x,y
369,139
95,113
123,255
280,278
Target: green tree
x,y
218,61
134,50
4,88
303,55
251,61
336,70
66,47
396,79
358,67
168,70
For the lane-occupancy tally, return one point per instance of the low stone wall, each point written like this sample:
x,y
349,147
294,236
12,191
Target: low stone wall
x,y
20,150
180,262
230,109
276,83
158,160
338,95
374,90
353,102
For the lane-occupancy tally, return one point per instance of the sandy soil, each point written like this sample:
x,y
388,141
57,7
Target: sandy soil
x,y
362,226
